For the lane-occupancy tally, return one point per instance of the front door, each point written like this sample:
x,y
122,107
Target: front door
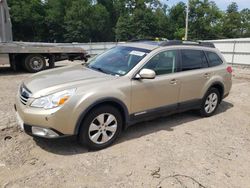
x,y
150,95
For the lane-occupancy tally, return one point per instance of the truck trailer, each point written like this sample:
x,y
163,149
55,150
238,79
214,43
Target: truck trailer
x,y
32,56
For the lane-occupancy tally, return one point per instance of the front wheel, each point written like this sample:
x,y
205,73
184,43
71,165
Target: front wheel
x,y
100,128
210,102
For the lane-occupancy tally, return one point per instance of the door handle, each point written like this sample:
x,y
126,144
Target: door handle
x,y
206,75
173,82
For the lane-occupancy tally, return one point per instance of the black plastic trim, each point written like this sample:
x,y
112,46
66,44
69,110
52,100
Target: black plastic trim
x,y
165,111
189,105
222,86
153,113
98,102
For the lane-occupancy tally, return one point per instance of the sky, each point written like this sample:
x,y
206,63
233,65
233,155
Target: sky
x,y
222,4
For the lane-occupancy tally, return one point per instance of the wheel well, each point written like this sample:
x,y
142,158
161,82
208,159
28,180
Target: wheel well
x,y
220,89
116,105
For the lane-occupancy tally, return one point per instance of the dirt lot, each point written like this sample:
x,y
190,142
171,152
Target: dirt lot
x,y
182,150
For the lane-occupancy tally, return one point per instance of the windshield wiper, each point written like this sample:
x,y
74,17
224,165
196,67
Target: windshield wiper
x,y
99,69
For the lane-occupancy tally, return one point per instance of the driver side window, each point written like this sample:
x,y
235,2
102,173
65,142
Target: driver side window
x,y
163,63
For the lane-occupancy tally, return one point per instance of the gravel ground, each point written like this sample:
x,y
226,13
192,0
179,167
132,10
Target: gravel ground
x,y
181,150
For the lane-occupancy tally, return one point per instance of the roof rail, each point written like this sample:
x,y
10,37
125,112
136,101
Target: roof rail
x,y
188,43
156,39
141,40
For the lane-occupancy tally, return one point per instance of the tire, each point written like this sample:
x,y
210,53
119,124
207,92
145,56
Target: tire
x,y
94,133
34,63
51,62
210,102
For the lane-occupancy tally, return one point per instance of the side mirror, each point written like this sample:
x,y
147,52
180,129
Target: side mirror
x,y
146,74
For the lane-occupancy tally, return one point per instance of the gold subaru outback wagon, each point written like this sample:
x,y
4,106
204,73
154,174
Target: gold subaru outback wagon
x,y
129,83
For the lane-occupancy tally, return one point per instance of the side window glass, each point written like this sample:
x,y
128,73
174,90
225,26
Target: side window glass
x,y
214,59
163,63
193,59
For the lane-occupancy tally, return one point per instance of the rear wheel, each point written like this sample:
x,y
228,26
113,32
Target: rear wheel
x,y
51,62
34,63
210,102
100,128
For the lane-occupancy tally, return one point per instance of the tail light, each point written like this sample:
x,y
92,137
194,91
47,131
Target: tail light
x,y
229,69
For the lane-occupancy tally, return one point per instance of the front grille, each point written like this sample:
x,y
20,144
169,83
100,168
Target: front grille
x,y
24,94
23,99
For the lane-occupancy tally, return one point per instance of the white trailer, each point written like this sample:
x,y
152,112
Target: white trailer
x,y
32,56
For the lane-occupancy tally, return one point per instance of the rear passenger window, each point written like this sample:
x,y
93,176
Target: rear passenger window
x,y
193,59
213,59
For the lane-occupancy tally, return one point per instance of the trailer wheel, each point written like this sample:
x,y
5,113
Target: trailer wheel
x,y
34,63
51,62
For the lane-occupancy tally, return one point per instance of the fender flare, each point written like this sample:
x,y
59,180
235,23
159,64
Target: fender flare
x,y
124,109
216,83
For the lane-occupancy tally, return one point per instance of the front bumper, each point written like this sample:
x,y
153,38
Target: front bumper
x,y
42,132
37,131
45,123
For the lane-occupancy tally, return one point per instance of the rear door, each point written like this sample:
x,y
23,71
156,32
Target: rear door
x,y
195,74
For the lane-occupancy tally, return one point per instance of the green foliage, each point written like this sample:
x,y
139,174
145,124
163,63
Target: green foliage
x,y
245,23
231,22
84,22
177,21
124,30
179,33
109,20
162,28
204,19
28,19
55,11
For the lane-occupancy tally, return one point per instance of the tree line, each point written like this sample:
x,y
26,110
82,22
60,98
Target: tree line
x,y
121,20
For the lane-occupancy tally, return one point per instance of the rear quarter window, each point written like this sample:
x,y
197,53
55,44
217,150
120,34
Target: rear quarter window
x,y
213,59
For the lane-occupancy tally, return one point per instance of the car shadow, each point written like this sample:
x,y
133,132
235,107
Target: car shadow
x,y
69,145
167,123
8,71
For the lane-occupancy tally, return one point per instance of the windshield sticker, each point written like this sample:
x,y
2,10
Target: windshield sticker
x,y
137,53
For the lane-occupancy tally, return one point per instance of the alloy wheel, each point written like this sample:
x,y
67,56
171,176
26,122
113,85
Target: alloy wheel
x,y
211,103
102,128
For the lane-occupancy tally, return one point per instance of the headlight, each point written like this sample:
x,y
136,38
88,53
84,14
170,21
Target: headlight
x,y
53,100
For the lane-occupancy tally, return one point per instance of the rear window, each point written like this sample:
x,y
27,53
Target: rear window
x,y
213,59
193,59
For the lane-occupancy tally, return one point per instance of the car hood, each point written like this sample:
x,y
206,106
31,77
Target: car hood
x,y
50,81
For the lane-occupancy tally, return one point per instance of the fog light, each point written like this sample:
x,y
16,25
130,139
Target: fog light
x,y
43,132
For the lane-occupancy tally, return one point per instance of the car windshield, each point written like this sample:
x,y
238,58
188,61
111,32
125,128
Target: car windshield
x,y
118,60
